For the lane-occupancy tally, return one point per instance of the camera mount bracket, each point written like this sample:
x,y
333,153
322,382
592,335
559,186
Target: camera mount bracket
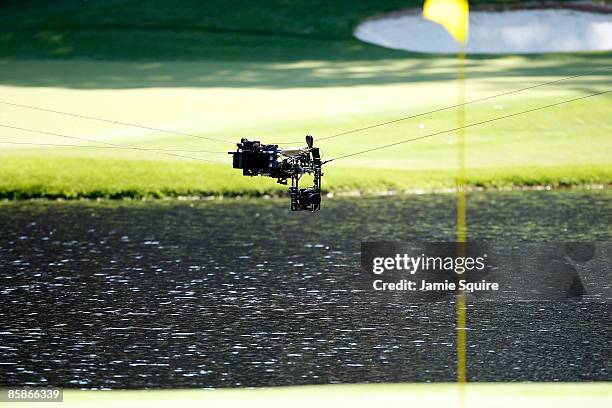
x,y
256,159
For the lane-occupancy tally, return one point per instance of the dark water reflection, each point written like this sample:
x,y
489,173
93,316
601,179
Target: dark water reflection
x,y
246,293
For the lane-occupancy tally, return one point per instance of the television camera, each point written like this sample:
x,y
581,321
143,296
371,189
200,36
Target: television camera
x,y
283,164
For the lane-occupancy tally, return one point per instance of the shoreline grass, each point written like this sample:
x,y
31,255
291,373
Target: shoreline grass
x,y
473,395
78,178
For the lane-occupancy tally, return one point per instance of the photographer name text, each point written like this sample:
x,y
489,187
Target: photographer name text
x,y
413,264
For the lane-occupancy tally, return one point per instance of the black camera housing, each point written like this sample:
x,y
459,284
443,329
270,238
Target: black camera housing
x,y
305,199
257,159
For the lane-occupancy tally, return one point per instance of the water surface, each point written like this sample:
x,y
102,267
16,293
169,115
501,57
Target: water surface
x,y
246,293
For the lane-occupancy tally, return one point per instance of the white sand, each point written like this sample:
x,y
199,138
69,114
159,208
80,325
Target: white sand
x,y
517,31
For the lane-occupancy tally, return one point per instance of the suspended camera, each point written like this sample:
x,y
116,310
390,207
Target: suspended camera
x,y
256,159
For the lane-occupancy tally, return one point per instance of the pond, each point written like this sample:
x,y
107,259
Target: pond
x,y
238,293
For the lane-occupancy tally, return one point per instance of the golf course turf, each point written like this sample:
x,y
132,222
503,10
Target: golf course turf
x,y
274,73
359,395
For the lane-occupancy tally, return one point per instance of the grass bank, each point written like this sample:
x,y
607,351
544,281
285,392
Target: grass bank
x,y
33,177
510,395
272,71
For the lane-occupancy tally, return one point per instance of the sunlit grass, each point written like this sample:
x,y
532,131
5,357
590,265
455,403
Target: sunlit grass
x,y
53,177
525,395
310,77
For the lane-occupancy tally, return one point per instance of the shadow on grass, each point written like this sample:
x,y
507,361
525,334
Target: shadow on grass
x,y
411,68
272,44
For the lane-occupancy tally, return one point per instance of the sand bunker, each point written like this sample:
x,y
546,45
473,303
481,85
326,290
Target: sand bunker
x,y
491,32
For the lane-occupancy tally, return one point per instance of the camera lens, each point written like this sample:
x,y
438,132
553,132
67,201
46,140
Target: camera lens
x,y
310,197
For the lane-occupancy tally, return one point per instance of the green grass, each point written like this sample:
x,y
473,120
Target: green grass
x,y
243,30
72,178
508,395
274,70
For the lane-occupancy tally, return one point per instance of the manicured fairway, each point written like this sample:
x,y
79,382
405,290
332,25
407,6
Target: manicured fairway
x,y
302,75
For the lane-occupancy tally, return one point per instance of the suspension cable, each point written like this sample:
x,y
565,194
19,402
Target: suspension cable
x,y
320,139
458,105
104,147
115,145
76,115
469,125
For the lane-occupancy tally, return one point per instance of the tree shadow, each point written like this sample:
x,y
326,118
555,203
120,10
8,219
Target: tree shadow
x,y
412,68
121,44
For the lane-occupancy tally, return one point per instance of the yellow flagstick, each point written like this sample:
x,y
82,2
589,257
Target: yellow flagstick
x,y
453,15
461,231
461,222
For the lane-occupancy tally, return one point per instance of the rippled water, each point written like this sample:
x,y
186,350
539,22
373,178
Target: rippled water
x,y
246,293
